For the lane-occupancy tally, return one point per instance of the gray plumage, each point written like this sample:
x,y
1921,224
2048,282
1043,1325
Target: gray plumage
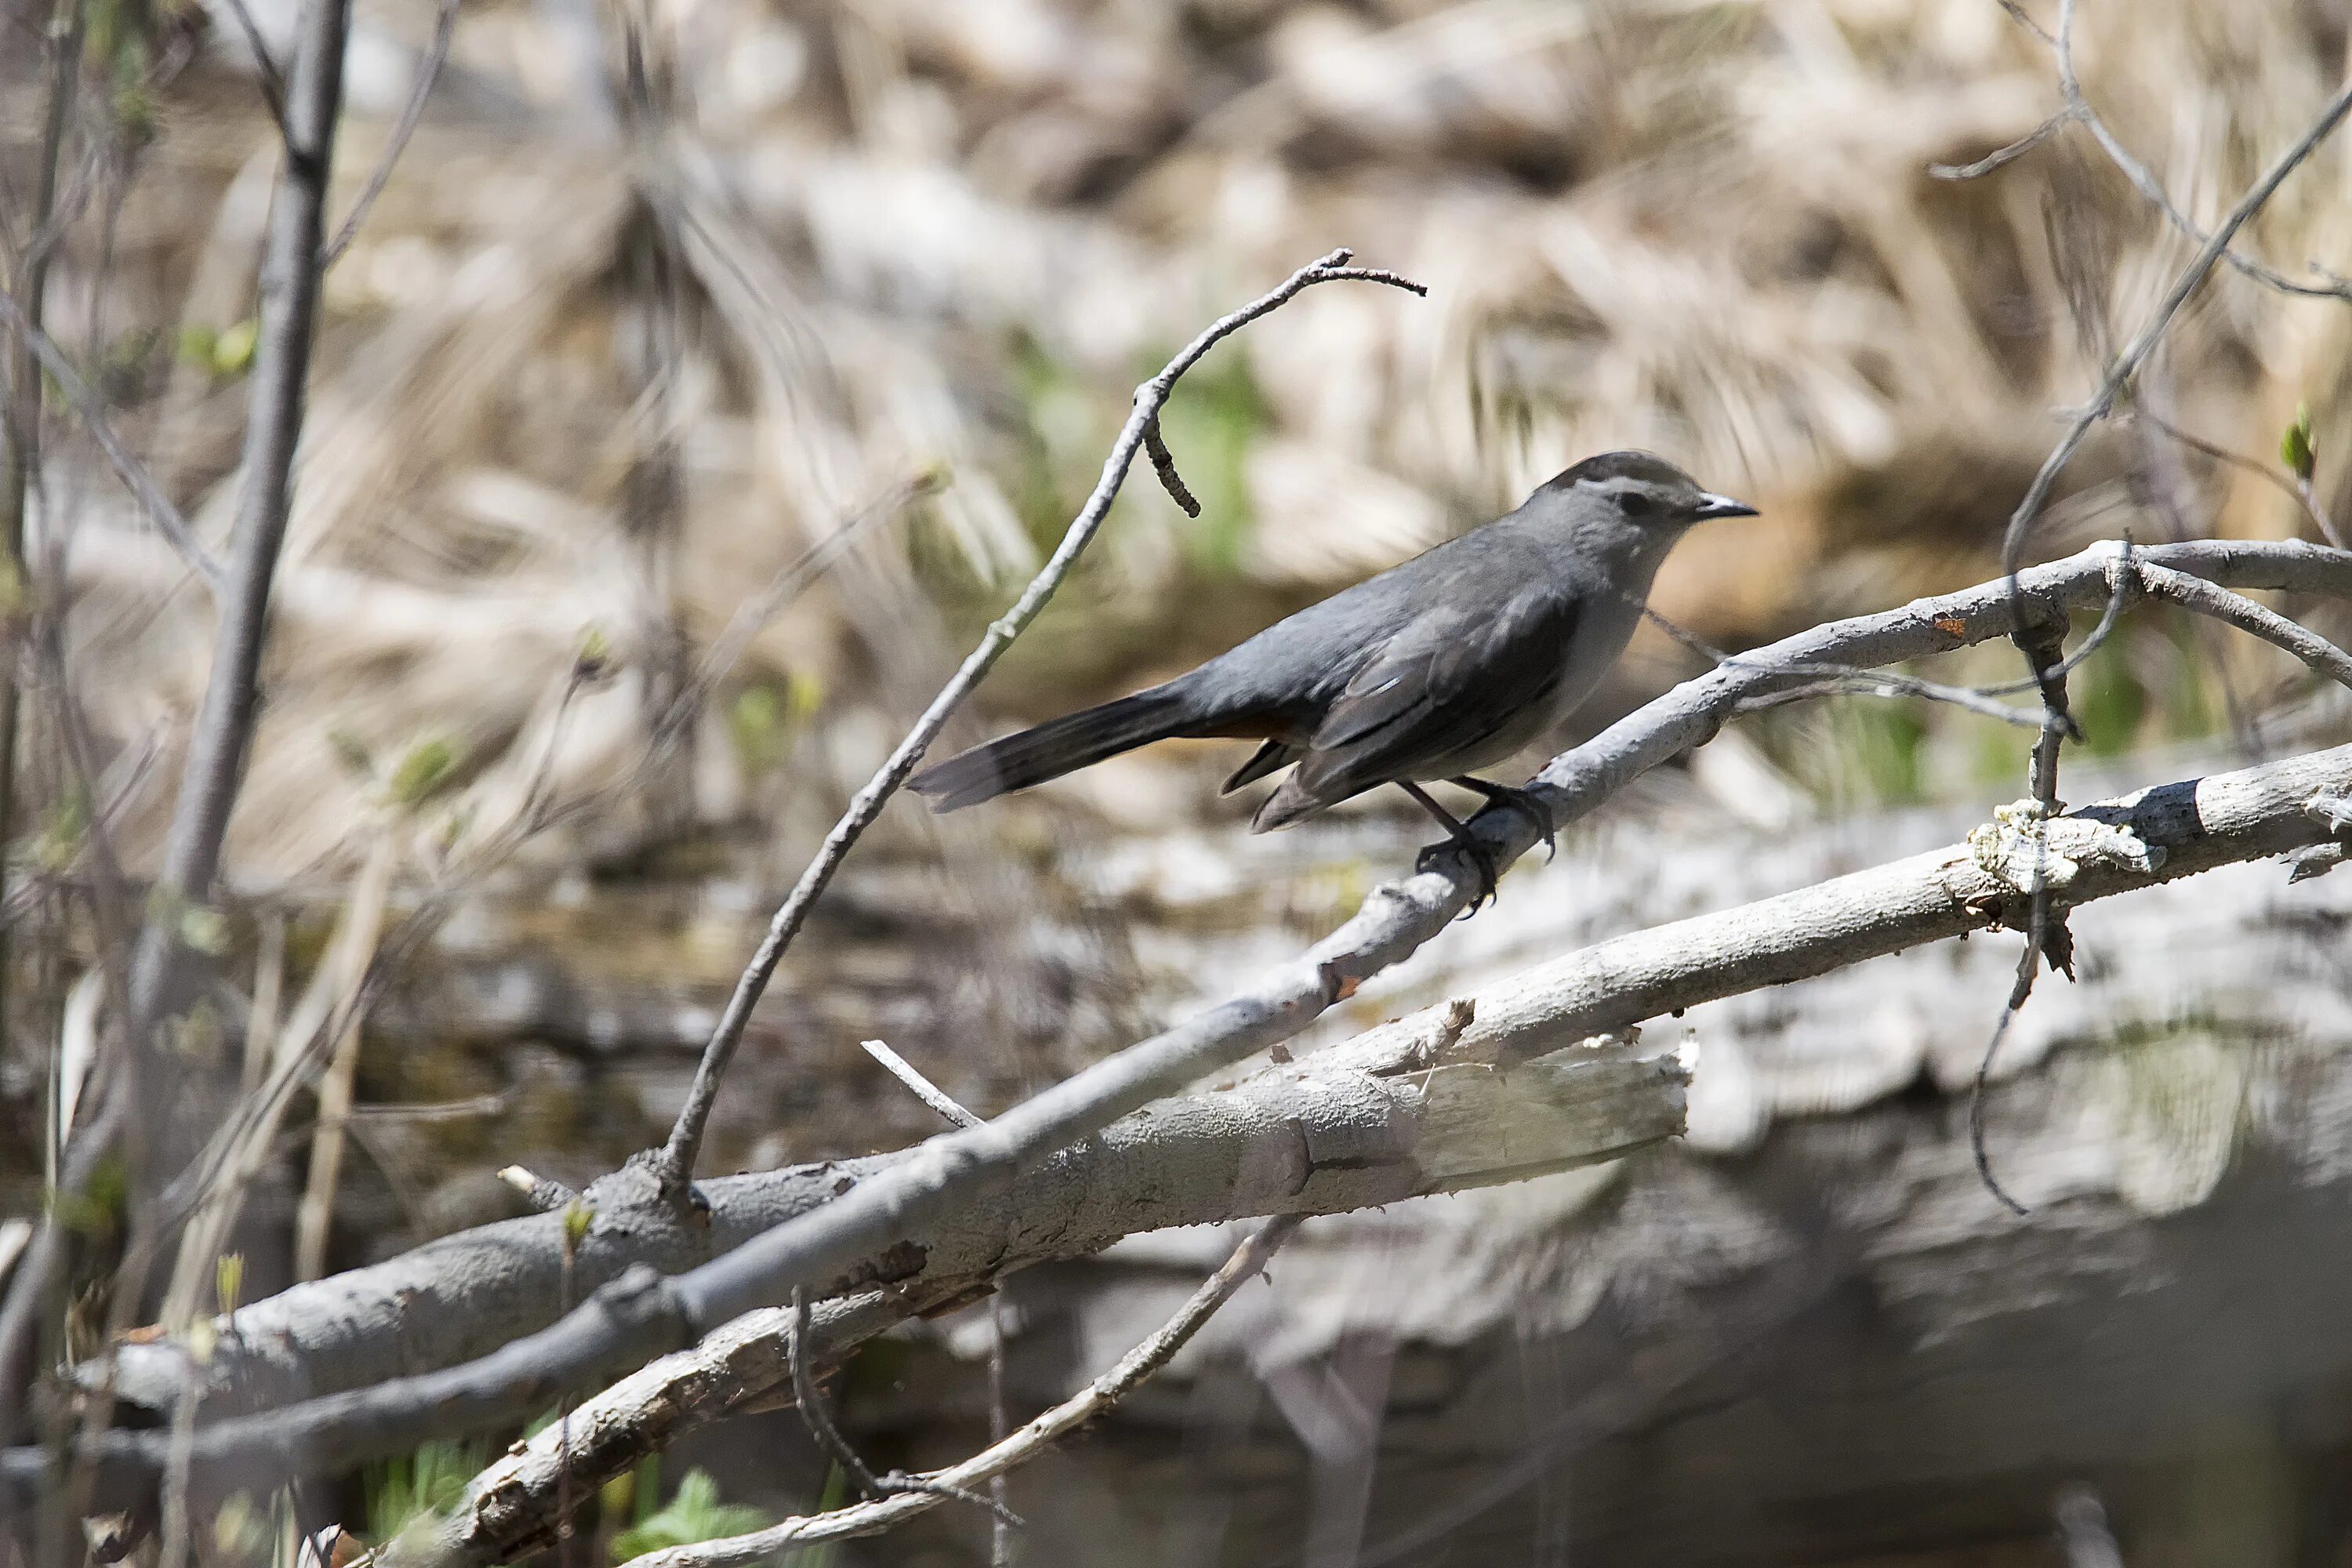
x,y
1435,668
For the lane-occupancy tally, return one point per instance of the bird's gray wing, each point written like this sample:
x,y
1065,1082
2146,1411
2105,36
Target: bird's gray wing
x,y
1443,685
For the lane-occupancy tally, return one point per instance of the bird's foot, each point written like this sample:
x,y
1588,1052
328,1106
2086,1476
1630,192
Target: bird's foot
x,y
1489,879
1527,804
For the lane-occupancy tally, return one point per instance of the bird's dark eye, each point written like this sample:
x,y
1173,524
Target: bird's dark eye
x,y
1635,503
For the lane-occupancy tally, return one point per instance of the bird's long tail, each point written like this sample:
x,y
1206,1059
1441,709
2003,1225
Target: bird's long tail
x,y
1056,747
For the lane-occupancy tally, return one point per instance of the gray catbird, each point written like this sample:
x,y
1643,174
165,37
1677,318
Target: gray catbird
x,y
1432,669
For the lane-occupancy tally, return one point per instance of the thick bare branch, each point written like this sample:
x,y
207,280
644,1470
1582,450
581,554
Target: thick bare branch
x,y
289,302
347,1339
1313,1145
2153,835
1474,1057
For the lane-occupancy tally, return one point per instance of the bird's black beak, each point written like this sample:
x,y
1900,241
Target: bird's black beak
x,y
1713,506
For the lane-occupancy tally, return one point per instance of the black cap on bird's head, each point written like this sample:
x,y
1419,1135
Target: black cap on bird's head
x,y
1645,489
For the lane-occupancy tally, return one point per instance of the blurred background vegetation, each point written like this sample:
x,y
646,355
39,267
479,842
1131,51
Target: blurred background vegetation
x,y
664,294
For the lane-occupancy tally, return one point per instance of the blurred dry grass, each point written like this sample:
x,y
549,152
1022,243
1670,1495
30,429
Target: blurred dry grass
x,y
611,353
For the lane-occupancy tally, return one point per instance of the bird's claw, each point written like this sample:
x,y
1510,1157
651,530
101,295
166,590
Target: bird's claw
x,y
1538,813
1527,804
1489,881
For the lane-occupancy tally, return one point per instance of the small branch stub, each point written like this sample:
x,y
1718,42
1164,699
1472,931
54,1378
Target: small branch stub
x,y
545,1195
924,1089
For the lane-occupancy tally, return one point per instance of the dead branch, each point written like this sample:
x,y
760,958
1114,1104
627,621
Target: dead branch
x,y
2153,835
2233,609
1039,1435
1312,1144
1394,922
921,1087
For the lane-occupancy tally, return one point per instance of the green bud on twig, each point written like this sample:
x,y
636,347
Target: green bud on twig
x,y
2295,449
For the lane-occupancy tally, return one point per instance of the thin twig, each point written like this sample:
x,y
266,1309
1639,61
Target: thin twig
x,y
755,614
167,518
1895,686
2046,934
1000,1427
686,1136
2019,990
923,1088
2003,155
445,27
892,1483
2294,486
1033,1439
545,1194
2024,18
1848,680
2078,107
273,81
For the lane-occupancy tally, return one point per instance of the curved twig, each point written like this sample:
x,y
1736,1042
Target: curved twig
x,y
167,518
2210,599
677,1156
1031,1440
444,28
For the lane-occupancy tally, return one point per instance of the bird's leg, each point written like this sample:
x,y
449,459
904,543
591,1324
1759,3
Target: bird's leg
x,y
1462,838
1525,802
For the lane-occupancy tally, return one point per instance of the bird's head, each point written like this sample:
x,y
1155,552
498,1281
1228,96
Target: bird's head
x,y
1643,490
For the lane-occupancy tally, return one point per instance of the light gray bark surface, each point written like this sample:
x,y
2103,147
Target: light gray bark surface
x,y
1349,1128
1805,1333
1318,1144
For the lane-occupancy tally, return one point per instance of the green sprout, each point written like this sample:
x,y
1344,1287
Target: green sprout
x,y
2295,448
